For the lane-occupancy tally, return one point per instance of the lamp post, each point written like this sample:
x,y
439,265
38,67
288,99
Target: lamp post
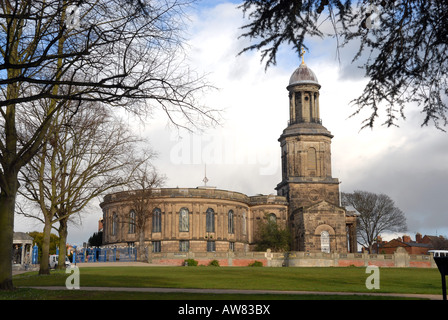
x,y
441,259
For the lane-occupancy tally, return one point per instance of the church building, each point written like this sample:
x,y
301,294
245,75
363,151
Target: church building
x,y
206,219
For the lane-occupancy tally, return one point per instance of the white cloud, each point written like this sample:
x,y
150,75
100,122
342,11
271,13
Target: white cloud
x,y
407,163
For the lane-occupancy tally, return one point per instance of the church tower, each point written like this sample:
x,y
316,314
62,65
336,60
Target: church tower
x,y
317,221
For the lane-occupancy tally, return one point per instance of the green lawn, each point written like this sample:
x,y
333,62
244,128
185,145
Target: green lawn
x,y
350,279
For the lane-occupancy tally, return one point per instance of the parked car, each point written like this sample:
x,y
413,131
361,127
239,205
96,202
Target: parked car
x,y
53,261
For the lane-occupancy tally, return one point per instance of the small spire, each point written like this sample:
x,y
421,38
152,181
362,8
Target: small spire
x,y
303,54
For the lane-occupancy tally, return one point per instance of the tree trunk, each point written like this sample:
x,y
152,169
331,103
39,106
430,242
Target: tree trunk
x,y
7,205
44,265
62,243
141,255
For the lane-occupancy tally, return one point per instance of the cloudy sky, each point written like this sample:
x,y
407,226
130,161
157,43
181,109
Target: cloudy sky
x,y
409,163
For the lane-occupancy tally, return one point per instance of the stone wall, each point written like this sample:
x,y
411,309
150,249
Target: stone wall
x,y
299,259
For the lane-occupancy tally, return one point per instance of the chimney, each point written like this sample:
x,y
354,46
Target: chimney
x,y
406,238
418,238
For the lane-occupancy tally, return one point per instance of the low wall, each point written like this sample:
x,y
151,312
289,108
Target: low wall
x,y
298,259
224,258
304,259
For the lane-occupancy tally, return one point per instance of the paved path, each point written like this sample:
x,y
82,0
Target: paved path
x,y
232,291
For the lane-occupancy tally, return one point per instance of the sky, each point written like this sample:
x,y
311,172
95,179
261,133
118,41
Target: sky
x,y
409,163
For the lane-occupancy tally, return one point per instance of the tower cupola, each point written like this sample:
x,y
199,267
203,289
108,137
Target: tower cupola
x,y
303,96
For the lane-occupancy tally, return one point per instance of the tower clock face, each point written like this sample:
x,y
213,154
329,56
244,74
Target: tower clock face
x,y
314,195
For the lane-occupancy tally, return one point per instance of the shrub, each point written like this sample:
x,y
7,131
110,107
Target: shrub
x,y
214,263
190,263
256,264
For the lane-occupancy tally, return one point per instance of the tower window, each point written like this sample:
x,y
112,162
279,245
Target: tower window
x,y
312,160
298,107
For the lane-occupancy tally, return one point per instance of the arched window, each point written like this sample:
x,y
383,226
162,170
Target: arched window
x,y
325,241
272,218
114,224
231,226
156,220
132,221
184,224
210,220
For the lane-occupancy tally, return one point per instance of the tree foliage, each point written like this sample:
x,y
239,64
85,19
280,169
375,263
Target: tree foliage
x,y
38,239
404,45
96,240
271,236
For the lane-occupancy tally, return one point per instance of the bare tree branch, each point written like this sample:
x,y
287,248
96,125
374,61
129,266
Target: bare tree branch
x,y
377,214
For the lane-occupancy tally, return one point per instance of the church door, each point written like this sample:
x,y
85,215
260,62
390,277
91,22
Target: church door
x,y
325,241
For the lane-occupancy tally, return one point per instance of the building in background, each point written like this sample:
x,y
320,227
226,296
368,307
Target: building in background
x,y
208,219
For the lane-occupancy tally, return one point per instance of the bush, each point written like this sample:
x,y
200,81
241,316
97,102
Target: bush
x,y
190,263
256,264
214,263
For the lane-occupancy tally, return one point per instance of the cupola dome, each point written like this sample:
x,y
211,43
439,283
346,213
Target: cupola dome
x,y
303,75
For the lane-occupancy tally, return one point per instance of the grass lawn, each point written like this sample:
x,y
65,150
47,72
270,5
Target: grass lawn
x,y
350,279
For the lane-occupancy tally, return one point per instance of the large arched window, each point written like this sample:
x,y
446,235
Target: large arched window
x,y
156,220
131,221
184,224
325,241
231,225
210,220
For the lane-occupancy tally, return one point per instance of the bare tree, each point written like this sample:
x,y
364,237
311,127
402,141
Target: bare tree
x,y
120,52
142,199
86,154
377,214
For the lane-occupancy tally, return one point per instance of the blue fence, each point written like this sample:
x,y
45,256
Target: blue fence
x,y
105,255
95,254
